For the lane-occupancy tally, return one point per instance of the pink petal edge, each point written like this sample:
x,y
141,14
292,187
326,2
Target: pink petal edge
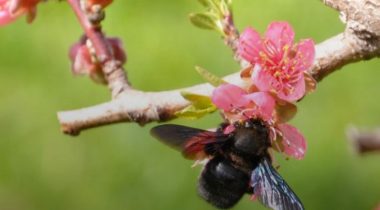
x,y
228,96
6,17
265,103
305,54
298,91
229,129
280,33
249,45
293,141
263,80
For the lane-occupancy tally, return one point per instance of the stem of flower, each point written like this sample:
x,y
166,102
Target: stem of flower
x,y
112,68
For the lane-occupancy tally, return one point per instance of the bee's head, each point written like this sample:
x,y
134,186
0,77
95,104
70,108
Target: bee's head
x,y
251,136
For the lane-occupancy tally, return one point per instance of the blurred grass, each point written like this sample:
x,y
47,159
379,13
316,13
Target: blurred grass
x,y
121,166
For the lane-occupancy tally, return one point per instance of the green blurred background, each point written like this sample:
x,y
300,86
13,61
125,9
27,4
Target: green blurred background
x,y
121,166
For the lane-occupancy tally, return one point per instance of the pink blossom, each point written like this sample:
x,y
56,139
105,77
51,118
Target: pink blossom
x,y
10,10
239,104
279,63
293,143
84,61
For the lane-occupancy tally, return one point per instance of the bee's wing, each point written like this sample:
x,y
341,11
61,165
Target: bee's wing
x,y
194,143
272,190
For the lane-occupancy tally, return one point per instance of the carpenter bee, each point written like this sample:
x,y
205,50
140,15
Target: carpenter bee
x,y
238,163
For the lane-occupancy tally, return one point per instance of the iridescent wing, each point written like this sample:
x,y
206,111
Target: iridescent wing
x,y
272,190
194,143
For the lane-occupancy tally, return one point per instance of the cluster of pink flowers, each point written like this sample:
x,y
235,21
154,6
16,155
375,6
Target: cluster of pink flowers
x,y
277,76
10,10
83,58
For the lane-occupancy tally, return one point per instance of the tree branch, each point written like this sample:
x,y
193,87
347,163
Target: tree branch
x,y
112,68
359,41
364,141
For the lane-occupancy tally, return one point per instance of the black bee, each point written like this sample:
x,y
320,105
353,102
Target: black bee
x,y
239,163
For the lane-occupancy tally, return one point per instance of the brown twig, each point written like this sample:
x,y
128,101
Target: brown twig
x,y
359,41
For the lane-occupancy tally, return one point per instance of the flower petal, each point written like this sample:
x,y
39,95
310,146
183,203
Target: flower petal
x,y
305,54
229,96
118,50
14,5
295,92
6,17
81,60
229,129
264,80
264,102
281,34
249,45
293,141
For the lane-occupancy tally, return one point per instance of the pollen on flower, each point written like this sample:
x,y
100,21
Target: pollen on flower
x,y
277,74
263,55
282,62
238,104
276,78
286,47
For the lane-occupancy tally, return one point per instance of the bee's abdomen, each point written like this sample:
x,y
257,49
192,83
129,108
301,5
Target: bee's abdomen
x,y
221,184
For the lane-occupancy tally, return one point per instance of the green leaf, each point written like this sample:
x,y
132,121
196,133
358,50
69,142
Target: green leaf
x,y
216,6
199,101
209,77
201,106
204,20
225,7
191,112
204,3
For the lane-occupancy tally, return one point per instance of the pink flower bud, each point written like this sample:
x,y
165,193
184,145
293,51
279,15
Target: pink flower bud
x,y
84,60
82,63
